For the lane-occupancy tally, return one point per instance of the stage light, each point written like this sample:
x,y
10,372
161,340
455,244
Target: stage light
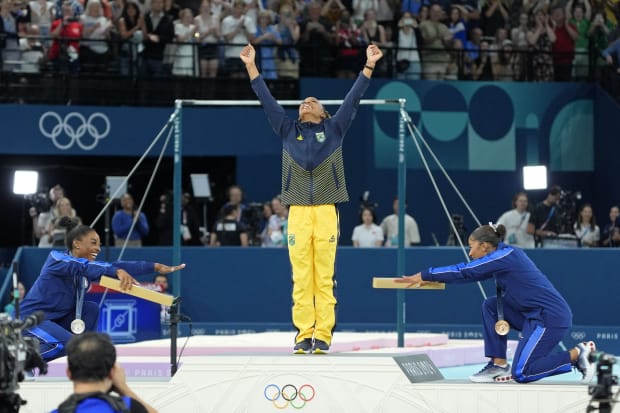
x,y
25,182
535,177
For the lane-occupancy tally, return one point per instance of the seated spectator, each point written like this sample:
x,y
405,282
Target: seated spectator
x,y
130,30
494,15
42,14
471,52
287,62
66,34
610,236
315,43
10,307
611,74
520,45
516,221
507,63
483,68
367,234
208,28
435,38
123,220
408,56
544,222
96,376
33,52
389,226
276,230
266,38
9,45
227,231
184,32
56,231
237,30
585,227
158,29
564,46
375,33
541,38
579,16
94,54
347,41
360,7
457,26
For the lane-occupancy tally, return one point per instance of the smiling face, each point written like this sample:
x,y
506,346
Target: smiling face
x,y
311,110
87,246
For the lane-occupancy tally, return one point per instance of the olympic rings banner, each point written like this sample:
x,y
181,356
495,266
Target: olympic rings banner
x,y
498,126
115,131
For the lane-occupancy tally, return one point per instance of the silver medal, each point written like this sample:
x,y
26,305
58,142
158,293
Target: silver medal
x,y
78,326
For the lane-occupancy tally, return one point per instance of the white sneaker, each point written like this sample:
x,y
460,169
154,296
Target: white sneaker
x,y
585,367
492,373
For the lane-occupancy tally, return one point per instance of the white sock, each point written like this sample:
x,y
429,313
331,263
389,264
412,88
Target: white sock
x,y
501,365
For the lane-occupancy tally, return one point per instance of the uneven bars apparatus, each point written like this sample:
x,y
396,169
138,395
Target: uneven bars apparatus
x,y
179,104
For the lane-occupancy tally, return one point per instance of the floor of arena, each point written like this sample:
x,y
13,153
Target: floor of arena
x,y
258,373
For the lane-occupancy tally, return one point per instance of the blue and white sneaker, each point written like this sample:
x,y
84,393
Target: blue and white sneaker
x,y
492,373
303,347
320,347
585,367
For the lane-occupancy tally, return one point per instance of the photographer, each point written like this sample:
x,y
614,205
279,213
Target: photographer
x,y
60,287
92,367
544,221
42,213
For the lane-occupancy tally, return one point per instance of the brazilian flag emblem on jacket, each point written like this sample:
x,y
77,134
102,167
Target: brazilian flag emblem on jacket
x,y
320,136
291,240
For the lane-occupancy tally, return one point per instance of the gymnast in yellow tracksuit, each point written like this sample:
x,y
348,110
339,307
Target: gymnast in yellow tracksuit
x,y
313,182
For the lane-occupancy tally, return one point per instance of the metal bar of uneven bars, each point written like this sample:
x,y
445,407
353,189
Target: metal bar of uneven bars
x,y
327,102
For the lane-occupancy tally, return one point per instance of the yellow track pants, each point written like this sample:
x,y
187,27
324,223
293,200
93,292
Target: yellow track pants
x,y
312,242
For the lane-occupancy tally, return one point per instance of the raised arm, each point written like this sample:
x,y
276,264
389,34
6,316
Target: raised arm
x,y
274,111
248,57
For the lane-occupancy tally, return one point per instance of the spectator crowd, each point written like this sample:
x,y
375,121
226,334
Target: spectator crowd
x,y
559,220
535,40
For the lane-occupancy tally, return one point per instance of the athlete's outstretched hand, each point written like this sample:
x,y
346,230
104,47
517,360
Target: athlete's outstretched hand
x,y
167,269
373,54
413,281
248,54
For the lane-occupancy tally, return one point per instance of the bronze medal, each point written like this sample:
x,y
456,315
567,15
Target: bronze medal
x,y
502,327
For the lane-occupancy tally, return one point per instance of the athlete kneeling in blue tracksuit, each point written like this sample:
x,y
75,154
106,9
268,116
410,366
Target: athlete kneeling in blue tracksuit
x,y
530,303
61,279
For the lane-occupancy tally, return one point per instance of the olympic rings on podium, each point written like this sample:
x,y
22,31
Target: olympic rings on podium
x,y
289,394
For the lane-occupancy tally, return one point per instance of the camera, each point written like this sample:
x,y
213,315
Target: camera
x,y
567,210
39,201
17,355
367,202
601,391
461,231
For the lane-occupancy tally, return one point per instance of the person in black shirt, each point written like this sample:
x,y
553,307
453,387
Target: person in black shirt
x,y
228,232
544,220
